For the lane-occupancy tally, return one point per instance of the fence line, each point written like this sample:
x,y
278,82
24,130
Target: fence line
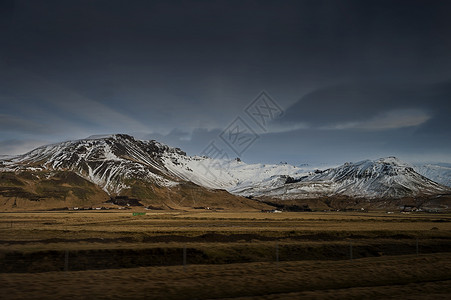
x,y
54,260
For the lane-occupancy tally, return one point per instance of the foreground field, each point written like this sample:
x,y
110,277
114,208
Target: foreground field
x,y
186,255
406,277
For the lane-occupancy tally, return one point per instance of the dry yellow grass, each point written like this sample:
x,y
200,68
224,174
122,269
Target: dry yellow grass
x,y
110,225
219,237
214,221
406,277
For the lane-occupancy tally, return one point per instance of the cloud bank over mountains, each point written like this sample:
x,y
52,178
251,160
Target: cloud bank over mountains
x,y
355,79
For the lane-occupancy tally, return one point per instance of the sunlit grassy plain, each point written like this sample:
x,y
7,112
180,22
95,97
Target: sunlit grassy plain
x,y
113,254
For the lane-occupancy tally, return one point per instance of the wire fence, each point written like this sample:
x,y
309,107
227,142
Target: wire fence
x,y
97,259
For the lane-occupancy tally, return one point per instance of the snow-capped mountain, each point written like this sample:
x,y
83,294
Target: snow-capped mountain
x,y
385,178
232,175
90,171
111,161
123,165
107,161
439,172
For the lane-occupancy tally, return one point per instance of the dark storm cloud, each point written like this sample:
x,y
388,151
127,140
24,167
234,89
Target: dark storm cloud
x,y
347,122
16,124
181,71
373,106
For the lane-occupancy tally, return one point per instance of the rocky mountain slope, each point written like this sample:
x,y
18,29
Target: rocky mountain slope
x,y
165,177
119,165
439,172
109,162
385,178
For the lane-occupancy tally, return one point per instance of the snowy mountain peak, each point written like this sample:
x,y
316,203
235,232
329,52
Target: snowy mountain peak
x,y
389,166
118,162
107,161
392,160
439,172
100,136
382,178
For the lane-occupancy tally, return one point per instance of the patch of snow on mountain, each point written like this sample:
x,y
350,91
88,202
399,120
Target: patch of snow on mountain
x,y
233,175
382,178
114,162
108,162
439,172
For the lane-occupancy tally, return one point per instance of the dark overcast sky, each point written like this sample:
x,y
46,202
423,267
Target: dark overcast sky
x,y
356,79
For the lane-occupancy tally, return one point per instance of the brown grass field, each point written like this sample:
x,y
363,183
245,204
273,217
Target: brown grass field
x,y
240,255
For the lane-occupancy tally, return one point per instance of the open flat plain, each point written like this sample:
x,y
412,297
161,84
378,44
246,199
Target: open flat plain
x,y
206,254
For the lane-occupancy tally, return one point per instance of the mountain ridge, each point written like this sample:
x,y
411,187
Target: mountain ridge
x,y
123,166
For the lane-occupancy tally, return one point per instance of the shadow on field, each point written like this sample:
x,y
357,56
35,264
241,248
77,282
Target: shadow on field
x,y
221,253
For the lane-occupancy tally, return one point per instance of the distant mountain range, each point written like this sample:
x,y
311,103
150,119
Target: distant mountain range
x,y
439,172
385,178
91,171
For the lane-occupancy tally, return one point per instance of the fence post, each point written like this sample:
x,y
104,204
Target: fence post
x,y
184,258
66,261
350,250
417,250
